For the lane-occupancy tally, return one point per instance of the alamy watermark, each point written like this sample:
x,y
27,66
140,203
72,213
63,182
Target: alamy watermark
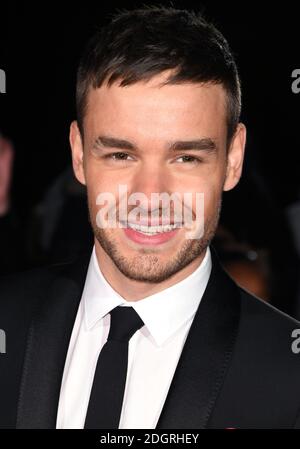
x,y
2,342
178,210
2,82
296,343
296,83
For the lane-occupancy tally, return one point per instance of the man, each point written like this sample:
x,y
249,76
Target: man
x,y
12,255
149,331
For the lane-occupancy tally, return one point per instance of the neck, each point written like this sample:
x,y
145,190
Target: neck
x,y
133,290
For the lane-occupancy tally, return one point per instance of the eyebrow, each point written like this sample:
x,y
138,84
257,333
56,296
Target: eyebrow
x,y
203,144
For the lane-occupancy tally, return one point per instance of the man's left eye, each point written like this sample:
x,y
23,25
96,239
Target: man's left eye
x,y
191,159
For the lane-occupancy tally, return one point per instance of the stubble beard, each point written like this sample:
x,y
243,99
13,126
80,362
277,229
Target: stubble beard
x,y
146,265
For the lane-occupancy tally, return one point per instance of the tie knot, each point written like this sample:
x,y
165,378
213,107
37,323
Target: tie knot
x,y
124,322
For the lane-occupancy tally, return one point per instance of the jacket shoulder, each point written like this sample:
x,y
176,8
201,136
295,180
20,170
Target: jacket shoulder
x,y
261,387
256,308
21,292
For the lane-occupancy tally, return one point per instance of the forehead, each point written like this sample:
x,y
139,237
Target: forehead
x,y
153,109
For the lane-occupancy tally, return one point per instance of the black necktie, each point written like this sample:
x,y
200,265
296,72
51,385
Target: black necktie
x,y
105,405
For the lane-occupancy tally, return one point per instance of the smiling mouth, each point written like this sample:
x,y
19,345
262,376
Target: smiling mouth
x,y
152,235
153,230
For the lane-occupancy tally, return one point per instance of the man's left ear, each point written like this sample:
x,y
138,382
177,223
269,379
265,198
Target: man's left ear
x,y
235,158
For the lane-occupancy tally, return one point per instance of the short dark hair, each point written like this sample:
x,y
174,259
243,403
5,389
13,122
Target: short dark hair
x,y
139,44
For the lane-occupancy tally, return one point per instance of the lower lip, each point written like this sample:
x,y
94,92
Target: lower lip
x,y
156,239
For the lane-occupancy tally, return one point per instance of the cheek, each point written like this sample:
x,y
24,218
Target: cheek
x,y
96,180
209,200
103,196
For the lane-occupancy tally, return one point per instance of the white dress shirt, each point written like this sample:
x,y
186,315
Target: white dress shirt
x,y
153,351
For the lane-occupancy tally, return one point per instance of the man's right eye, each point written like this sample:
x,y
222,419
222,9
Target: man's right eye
x,y
120,156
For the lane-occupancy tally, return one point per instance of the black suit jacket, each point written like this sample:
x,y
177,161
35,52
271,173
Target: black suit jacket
x,y
236,369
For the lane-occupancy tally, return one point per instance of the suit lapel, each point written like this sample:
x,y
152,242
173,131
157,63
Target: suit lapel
x,y
47,347
200,371
205,356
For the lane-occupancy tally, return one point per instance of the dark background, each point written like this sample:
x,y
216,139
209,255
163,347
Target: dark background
x,y
40,44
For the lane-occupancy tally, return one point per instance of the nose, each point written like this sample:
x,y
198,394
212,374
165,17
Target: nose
x,y
151,179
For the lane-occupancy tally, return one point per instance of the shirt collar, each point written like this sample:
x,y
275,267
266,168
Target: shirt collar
x,y
163,313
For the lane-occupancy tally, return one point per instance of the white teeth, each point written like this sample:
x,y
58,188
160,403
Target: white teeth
x,y
151,230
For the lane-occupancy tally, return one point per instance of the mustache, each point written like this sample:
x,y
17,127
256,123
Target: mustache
x,y
162,214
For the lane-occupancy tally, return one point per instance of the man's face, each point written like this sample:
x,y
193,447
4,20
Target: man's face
x,y
155,139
